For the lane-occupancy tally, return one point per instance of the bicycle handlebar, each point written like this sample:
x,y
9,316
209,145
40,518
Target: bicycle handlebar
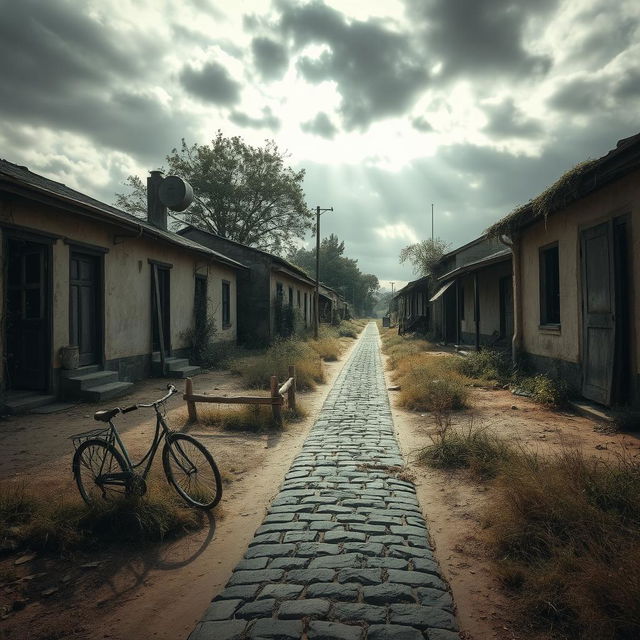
x,y
172,391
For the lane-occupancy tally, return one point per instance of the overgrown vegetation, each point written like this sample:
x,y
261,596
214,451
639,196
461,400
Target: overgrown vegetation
x,y
43,522
258,368
543,389
564,529
255,418
486,364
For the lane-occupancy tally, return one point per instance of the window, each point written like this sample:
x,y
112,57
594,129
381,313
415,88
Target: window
x,y
226,304
291,296
279,292
298,298
461,302
305,308
549,286
200,302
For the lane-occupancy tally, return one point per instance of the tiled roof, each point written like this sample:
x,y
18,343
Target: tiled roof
x,y
22,177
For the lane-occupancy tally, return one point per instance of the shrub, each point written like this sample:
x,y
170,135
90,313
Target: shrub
x,y
430,383
544,389
348,329
257,369
486,364
254,418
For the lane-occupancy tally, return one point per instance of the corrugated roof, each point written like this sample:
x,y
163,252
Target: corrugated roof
x,y
498,256
22,177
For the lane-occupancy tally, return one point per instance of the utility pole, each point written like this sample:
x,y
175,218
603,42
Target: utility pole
x,y
316,323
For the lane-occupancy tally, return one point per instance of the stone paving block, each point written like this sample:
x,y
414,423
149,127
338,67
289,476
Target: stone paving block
x,y
221,609
254,563
435,598
257,609
365,548
388,593
422,617
306,607
300,536
289,562
308,576
279,517
340,561
279,527
272,629
388,563
270,550
361,576
393,632
224,630
406,530
268,538
426,564
319,630
243,592
416,579
255,577
312,549
324,525
344,536
281,591
334,591
357,611
398,551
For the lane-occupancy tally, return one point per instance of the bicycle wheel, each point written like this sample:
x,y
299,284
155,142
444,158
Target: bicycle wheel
x,y
190,468
92,460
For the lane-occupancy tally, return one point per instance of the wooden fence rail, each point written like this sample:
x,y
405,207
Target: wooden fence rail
x,y
276,399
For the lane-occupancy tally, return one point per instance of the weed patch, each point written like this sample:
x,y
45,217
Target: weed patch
x,y
545,390
254,417
57,523
257,369
486,364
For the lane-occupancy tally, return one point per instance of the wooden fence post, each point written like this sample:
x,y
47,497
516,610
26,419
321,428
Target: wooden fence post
x,y
276,401
191,405
292,389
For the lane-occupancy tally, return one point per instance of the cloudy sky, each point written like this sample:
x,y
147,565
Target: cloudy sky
x,y
473,105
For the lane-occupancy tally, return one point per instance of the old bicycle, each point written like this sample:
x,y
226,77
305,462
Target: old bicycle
x,y
104,470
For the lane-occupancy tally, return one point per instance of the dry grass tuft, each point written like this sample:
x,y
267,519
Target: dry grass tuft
x,y
255,417
35,520
257,369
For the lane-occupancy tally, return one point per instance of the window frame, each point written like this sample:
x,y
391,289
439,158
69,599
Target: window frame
x,y
547,320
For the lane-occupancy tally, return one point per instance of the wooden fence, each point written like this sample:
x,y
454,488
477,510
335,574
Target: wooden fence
x,y
277,398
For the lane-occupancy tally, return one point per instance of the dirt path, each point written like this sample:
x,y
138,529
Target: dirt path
x,y
453,504
159,593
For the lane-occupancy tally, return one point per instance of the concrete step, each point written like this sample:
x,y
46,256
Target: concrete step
x,y
84,381
174,367
25,402
80,371
106,391
185,371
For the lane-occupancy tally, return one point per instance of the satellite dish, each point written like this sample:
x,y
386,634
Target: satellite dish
x,y
175,193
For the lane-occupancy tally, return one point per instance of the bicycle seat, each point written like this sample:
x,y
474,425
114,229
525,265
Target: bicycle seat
x,y
106,414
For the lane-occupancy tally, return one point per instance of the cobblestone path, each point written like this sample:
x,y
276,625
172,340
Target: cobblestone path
x,y
343,553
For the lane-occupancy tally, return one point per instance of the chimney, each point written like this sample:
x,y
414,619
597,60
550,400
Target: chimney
x,y
156,211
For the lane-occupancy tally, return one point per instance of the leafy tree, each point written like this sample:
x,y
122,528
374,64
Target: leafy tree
x,y
242,192
424,255
340,273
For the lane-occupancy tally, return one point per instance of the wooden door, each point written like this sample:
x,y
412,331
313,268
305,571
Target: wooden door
x,y
27,326
598,313
84,306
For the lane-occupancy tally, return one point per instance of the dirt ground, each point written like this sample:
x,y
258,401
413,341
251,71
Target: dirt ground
x,y
162,591
453,503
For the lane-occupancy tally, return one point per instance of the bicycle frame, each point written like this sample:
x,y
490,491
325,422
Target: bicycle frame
x,y
161,431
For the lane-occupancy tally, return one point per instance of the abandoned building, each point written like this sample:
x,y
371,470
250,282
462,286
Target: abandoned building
x,y
116,292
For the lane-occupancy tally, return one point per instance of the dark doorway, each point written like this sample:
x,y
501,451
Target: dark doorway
x,y
85,322
506,307
449,301
160,312
28,315
622,388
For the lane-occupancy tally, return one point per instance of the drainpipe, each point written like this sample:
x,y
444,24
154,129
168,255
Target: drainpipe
x,y
516,258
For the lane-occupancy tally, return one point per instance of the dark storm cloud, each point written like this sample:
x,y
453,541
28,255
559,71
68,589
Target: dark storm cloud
x,y
64,70
507,121
267,121
321,126
378,73
269,57
484,37
420,123
211,83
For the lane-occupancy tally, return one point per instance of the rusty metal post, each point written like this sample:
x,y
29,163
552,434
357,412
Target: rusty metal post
x,y
191,405
276,401
292,389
